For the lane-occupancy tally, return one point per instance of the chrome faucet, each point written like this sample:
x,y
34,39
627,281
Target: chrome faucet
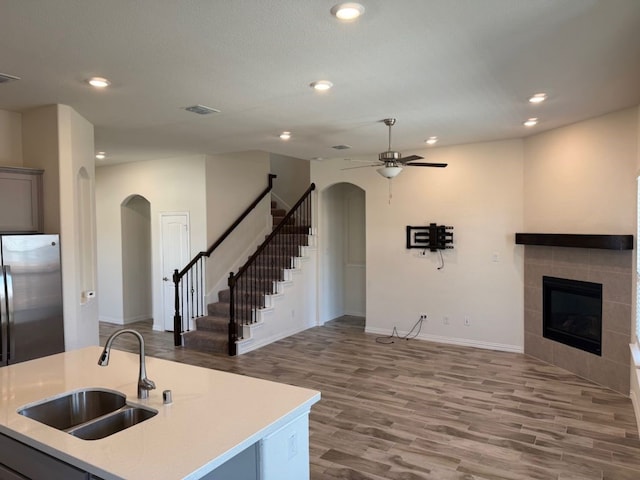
x,y
144,384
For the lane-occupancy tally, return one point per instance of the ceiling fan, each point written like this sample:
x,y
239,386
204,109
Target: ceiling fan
x,y
393,161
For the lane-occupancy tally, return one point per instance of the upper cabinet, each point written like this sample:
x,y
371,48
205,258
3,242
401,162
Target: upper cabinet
x,y
20,200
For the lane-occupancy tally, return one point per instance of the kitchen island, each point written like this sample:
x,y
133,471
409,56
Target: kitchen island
x,y
219,425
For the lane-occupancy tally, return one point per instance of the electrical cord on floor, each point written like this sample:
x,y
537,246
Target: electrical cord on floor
x,y
394,333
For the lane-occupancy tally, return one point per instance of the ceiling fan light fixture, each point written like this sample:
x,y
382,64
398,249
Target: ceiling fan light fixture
x,y
390,171
347,11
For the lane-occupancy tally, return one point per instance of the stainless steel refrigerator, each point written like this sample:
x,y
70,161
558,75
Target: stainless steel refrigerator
x,y
31,320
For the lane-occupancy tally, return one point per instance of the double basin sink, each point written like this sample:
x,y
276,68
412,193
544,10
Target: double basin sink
x,y
89,414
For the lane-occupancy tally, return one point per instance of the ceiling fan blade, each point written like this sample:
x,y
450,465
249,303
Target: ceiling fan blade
x,y
425,164
410,158
361,166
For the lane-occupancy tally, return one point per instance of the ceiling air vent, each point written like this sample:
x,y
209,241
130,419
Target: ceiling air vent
x,y
201,109
6,78
342,147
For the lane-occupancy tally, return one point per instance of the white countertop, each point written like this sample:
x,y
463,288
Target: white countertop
x,y
214,414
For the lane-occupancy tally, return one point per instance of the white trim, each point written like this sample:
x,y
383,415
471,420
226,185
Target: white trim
x,y
635,354
634,387
161,216
137,318
463,342
115,321
249,344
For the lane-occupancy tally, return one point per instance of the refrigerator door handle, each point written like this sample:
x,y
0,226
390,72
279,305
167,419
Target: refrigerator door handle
x,y
4,321
11,343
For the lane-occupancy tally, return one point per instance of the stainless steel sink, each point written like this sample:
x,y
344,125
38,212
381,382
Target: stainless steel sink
x,y
110,424
89,414
75,408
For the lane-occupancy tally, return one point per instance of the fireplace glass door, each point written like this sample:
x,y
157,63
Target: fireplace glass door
x,y
572,313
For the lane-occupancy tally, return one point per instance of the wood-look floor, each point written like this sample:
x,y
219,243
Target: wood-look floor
x,y
419,410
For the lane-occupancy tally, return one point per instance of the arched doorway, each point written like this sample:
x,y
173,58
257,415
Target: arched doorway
x,y
343,260
136,259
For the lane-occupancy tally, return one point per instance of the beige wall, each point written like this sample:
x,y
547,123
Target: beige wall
x,y
40,141
581,178
480,194
137,297
10,138
234,181
60,141
170,185
293,179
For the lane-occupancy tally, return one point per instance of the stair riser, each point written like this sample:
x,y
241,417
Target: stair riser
x,y
295,229
222,309
212,324
274,261
208,342
283,249
292,238
224,296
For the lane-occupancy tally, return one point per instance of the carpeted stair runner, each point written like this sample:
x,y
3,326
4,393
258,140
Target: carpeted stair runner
x,y
211,334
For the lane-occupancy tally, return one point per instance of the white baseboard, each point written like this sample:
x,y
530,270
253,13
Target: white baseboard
x,y
115,321
125,321
635,381
636,406
246,346
463,342
138,318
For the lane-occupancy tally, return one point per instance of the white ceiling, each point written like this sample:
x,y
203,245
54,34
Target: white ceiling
x,y
459,69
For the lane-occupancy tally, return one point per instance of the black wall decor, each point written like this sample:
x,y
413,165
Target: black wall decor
x,y
434,237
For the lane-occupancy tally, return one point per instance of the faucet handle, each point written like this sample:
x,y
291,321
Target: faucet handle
x,y
147,384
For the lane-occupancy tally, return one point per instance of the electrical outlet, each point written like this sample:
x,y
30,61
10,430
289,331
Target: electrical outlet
x,y
445,320
467,321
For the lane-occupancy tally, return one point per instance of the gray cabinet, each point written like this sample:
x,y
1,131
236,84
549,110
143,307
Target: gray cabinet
x,y
18,461
20,200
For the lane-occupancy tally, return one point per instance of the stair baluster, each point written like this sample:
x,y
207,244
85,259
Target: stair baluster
x,y
275,252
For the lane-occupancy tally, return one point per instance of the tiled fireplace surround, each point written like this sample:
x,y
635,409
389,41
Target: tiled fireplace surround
x,y
611,268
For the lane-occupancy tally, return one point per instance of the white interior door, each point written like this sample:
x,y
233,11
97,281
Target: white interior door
x,y
175,255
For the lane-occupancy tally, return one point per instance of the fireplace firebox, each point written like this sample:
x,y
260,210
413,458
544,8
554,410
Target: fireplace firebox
x,y
572,313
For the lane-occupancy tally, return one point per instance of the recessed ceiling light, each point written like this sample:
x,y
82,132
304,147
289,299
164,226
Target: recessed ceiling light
x,y
321,85
538,98
532,122
98,82
101,155
285,135
431,140
347,11
342,147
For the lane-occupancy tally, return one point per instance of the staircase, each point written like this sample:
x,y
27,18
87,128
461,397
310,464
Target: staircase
x,y
211,334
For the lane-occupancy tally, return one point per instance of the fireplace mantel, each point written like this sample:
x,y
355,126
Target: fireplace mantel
x,y
607,242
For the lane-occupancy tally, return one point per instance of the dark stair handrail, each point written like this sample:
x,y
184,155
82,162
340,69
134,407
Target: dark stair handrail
x,y
195,263
298,219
